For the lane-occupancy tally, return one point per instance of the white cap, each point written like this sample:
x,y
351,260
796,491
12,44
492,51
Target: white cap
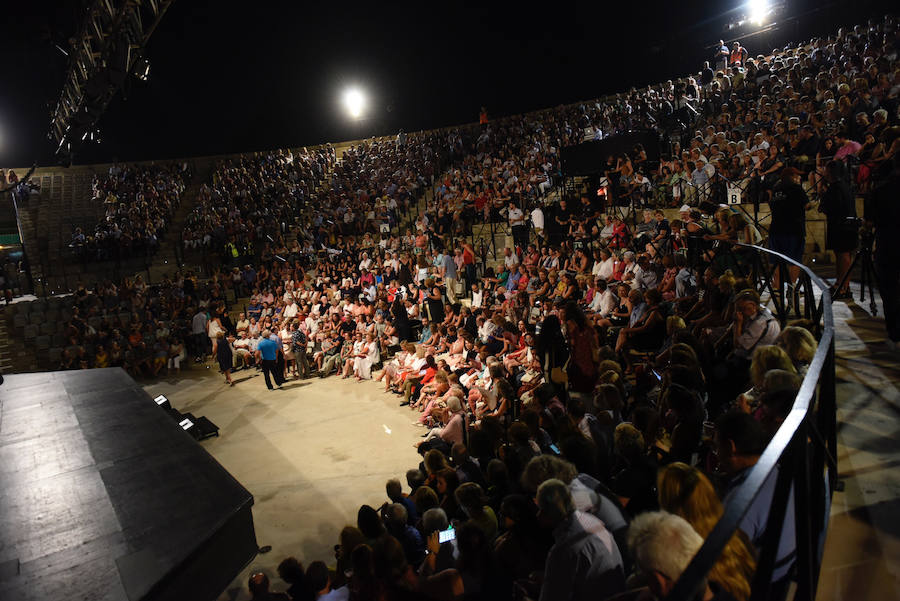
x,y
685,209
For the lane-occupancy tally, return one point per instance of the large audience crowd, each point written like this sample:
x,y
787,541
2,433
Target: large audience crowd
x,y
590,400
138,201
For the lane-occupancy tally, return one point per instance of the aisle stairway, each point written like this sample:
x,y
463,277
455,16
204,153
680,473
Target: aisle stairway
x,y
48,219
165,261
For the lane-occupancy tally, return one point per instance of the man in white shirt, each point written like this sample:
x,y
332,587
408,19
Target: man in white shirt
x,y
366,262
759,143
243,353
537,221
510,259
517,226
198,334
290,311
604,301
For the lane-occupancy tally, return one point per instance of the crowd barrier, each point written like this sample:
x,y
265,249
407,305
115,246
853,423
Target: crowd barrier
x,y
801,456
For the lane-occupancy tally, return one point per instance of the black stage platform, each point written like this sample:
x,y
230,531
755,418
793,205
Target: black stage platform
x,y
103,496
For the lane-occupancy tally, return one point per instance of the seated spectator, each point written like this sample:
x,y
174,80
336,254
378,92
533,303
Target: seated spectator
x,y
739,441
685,491
259,589
663,546
584,562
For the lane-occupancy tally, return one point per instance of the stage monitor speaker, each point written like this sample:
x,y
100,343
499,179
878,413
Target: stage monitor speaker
x,y
188,423
199,428
206,428
163,402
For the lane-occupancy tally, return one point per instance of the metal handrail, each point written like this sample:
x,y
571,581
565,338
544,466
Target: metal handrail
x,y
804,447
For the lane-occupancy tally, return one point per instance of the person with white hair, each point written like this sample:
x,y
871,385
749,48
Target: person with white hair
x,y
444,437
663,545
584,561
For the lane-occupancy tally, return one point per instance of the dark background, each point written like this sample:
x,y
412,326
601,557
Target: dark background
x,y
233,76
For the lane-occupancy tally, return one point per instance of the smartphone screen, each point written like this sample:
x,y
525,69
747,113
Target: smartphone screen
x,y
656,373
447,535
554,448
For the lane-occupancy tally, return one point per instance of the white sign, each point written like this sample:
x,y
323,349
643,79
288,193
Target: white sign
x,y
185,423
734,194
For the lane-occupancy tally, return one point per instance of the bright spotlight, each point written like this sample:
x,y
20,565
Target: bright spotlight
x,y
758,10
355,102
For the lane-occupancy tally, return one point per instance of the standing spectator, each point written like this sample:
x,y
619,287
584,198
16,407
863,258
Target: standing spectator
x,y
518,227
787,232
738,56
298,346
537,222
584,348
722,56
198,334
449,276
267,353
553,353
840,220
225,356
884,213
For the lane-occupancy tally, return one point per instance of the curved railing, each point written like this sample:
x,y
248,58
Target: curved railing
x,y
803,452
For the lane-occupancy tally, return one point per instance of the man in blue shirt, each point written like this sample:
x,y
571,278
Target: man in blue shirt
x,y
266,353
448,273
740,440
254,309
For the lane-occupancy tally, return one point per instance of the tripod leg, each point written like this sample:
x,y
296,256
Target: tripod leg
x,y
872,278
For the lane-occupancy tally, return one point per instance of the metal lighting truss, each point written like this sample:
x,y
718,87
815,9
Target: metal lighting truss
x,y
102,55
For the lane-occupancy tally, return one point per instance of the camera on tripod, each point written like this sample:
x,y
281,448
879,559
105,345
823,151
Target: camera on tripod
x,y
866,235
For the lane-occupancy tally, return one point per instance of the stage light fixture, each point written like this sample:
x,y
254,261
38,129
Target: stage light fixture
x,y
142,69
354,102
163,402
758,10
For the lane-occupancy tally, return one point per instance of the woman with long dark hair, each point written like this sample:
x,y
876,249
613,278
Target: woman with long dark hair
x,y
401,320
584,346
552,350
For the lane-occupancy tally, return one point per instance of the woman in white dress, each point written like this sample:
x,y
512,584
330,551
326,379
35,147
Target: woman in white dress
x,y
367,357
287,347
213,330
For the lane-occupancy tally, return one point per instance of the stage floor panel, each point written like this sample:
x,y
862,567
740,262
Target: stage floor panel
x,y
103,495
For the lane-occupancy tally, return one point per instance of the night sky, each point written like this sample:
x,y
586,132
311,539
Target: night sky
x,y
240,76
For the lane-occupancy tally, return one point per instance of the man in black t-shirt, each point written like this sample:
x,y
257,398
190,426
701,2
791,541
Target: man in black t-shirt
x,y
562,216
787,233
347,326
706,74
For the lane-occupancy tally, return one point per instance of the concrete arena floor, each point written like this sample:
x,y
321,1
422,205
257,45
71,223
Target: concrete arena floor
x,y
310,454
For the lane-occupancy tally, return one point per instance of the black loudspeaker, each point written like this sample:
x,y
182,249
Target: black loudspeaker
x,y
589,158
200,428
205,428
